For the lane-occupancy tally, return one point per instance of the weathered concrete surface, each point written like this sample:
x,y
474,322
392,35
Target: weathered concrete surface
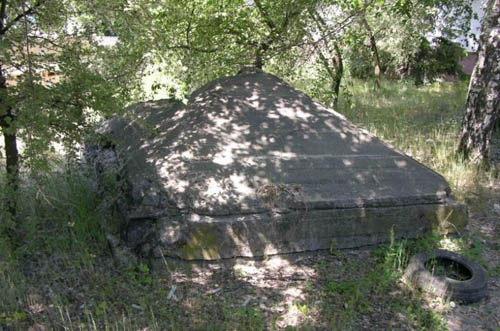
x,y
252,166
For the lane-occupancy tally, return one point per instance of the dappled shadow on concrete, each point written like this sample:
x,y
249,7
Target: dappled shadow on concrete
x,y
251,167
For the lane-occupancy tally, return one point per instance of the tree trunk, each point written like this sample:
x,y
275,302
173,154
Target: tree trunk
x,y
376,57
338,65
259,54
483,100
10,140
339,72
259,63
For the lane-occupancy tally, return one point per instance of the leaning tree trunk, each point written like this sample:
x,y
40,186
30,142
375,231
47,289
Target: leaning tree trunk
x,y
374,49
483,99
337,72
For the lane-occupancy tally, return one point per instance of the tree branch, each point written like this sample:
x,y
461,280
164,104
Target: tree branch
x,y
264,46
265,15
47,40
25,13
288,16
320,23
188,29
191,48
327,34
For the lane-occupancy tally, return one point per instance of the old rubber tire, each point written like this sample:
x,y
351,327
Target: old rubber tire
x,y
467,291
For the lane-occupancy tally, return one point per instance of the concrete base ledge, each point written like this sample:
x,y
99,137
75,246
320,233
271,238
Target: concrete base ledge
x,y
209,238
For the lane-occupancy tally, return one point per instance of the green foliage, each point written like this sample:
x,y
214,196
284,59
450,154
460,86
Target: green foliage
x,y
182,45
424,319
394,257
443,268
62,263
16,317
360,61
440,59
64,79
368,286
197,41
399,37
447,56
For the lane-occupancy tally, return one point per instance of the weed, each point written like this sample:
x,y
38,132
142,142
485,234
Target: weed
x,y
303,308
333,247
321,265
447,268
247,318
495,271
140,274
423,319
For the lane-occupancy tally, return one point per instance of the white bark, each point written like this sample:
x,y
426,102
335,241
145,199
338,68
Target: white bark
x,y
483,99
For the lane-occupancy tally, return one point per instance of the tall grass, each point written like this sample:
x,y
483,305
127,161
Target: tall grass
x,y
59,233
422,122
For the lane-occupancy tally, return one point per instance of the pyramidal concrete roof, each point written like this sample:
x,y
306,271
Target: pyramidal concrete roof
x,y
251,166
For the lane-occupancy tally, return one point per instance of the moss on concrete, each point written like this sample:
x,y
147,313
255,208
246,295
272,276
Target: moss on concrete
x,y
202,244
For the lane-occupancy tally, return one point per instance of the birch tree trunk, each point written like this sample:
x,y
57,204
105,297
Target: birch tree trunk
x,y
483,98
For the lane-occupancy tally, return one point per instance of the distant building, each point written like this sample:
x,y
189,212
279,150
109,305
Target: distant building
x,y
49,73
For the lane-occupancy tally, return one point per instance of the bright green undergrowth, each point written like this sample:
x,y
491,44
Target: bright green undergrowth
x,y
59,274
